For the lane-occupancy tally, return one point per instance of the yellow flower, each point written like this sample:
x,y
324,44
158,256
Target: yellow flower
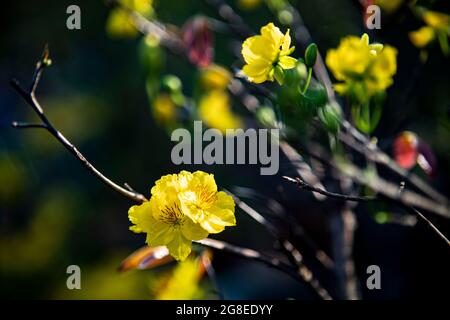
x,y
214,108
265,53
437,20
184,283
422,37
438,26
167,217
164,110
203,204
120,23
358,64
215,77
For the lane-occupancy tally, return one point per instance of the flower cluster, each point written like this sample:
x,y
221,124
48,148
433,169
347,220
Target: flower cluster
x,y
183,207
363,68
266,55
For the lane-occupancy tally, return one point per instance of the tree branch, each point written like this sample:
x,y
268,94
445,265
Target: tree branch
x,y
303,185
30,97
291,251
273,262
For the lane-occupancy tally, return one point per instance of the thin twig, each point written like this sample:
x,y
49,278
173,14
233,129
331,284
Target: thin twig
x,y
372,152
303,185
30,98
291,251
26,125
273,262
321,256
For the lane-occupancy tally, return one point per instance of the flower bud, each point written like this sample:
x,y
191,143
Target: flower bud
x,y
330,116
266,116
198,40
311,55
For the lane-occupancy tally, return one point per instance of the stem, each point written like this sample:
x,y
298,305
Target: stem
x,y
308,80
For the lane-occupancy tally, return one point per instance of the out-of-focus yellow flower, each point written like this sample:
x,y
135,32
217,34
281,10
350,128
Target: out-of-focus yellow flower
x,y
437,20
249,4
215,77
422,37
183,284
437,26
389,5
202,202
164,109
169,218
215,109
358,64
120,23
265,53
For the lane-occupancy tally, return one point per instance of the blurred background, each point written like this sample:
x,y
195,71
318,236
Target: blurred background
x,y
54,213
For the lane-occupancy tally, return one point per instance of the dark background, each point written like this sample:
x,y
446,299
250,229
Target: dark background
x,y
54,213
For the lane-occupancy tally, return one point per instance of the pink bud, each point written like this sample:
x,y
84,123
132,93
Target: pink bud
x,y
199,41
410,150
405,149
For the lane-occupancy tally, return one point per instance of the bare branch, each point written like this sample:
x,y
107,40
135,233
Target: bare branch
x,y
30,98
300,275
303,185
26,125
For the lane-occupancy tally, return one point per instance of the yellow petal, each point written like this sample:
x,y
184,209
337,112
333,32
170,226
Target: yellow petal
x,y
206,180
287,62
258,48
286,42
257,69
160,234
193,231
141,216
179,247
222,217
212,227
272,34
225,201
